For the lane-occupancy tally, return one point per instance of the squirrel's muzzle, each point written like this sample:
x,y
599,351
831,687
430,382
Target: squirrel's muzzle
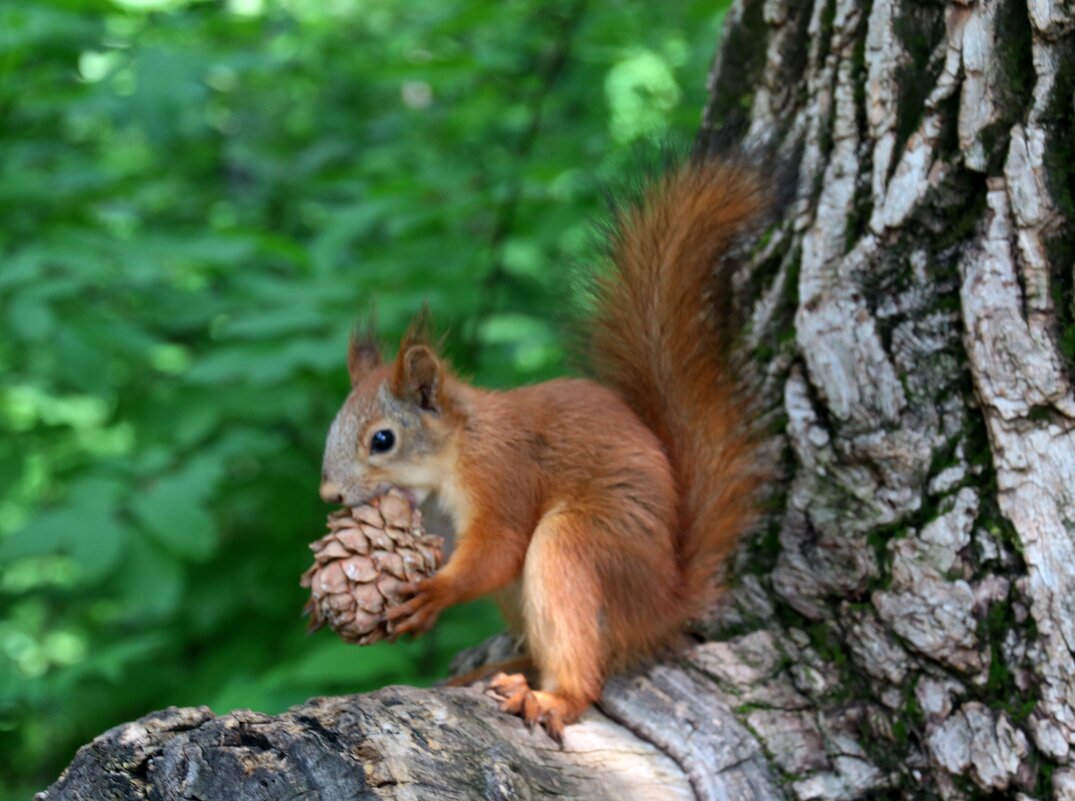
x,y
331,493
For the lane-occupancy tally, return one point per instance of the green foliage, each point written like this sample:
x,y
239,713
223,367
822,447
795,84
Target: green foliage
x,y
199,198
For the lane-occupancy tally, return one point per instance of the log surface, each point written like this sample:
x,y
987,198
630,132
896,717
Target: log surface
x,y
439,743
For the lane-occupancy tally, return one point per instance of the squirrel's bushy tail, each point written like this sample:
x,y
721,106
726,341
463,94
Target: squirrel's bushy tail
x,y
663,336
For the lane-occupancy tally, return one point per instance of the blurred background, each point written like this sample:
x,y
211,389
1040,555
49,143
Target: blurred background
x,y
196,201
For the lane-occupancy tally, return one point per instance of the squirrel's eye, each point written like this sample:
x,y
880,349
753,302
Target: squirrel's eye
x,y
382,441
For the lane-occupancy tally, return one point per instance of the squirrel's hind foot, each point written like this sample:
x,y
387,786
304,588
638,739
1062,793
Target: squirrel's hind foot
x,y
552,711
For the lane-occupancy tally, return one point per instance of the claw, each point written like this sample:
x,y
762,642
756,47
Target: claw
x,y
553,722
534,707
531,710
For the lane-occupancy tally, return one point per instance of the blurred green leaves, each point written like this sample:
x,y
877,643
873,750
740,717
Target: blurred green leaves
x,y
85,527
198,199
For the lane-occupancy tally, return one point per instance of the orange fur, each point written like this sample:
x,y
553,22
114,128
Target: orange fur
x,y
482,672
663,336
612,505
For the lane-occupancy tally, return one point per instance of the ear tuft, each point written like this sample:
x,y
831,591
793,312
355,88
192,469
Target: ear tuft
x,y
420,330
363,353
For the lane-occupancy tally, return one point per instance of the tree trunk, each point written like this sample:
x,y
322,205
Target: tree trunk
x,y
915,316
905,626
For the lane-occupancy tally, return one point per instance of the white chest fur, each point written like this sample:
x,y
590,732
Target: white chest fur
x,y
454,502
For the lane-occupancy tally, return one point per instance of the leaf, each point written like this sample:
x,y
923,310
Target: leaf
x,y
276,322
152,580
270,364
172,511
114,661
85,526
30,320
515,328
98,544
46,533
223,364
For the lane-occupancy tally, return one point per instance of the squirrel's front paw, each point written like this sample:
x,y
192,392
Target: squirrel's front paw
x,y
418,614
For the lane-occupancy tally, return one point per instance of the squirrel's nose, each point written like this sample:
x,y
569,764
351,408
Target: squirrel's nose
x,y
330,493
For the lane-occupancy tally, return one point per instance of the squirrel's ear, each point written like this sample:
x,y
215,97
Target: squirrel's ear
x,y
362,356
417,377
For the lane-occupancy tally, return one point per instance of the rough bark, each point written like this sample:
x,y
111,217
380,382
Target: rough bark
x,y
659,735
913,314
905,624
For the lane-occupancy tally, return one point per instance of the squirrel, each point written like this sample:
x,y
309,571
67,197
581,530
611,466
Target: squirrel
x,y
606,505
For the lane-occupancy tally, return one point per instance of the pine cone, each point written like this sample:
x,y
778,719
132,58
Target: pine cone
x,y
359,565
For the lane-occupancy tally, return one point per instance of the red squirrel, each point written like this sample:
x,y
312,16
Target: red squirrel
x,y
607,506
